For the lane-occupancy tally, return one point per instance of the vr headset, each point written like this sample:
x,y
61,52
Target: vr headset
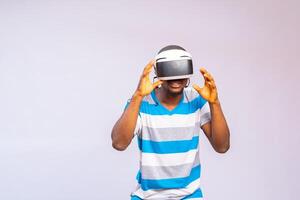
x,y
173,62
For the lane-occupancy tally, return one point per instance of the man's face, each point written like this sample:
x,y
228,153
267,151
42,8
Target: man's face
x,y
174,87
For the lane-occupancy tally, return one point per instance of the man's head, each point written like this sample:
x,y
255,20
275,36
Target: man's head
x,y
173,62
173,65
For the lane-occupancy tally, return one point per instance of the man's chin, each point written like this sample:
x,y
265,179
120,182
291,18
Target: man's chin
x,y
175,91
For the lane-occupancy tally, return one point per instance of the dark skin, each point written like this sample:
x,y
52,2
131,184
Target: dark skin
x,y
170,92
169,95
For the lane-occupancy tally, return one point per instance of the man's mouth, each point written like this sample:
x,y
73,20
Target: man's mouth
x,y
175,84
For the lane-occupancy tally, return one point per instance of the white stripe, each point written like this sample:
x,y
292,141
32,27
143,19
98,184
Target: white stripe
x,y
162,194
172,159
173,54
205,108
175,77
191,94
167,121
138,126
205,114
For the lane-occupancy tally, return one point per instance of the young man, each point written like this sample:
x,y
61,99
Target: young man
x,y
167,116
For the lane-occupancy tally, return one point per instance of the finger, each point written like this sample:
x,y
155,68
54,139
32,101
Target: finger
x,y
149,65
204,73
148,68
210,76
152,62
197,88
211,85
147,72
210,82
206,78
203,70
157,83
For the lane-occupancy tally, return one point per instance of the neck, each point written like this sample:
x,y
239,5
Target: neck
x,y
166,97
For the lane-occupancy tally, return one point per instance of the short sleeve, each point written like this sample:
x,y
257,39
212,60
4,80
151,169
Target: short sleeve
x,y
199,103
138,126
205,115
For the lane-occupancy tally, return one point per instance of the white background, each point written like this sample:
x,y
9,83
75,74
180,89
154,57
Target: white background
x,y
67,69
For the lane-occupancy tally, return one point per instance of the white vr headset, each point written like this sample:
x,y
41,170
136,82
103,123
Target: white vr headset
x,y
174,63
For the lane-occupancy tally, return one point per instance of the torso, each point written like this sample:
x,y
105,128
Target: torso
x,y
168,142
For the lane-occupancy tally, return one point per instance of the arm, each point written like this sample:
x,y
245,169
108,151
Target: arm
x,y
216,130
123,130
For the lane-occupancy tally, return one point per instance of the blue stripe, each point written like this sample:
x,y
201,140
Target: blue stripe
x,y
179,146
182,108
153,109
172,183
138,176
135,198
196,194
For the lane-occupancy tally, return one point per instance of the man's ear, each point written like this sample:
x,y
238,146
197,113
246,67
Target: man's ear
x,y
188,83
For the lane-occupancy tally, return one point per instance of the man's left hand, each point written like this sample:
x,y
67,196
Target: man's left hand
x,y
209,90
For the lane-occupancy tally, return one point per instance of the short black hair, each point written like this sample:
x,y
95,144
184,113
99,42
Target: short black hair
x,y
169,47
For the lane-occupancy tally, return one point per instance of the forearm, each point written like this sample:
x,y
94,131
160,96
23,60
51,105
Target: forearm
x,y
220,135
123,130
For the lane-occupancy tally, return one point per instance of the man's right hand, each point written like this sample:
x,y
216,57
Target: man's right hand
x,y
123,130
145,86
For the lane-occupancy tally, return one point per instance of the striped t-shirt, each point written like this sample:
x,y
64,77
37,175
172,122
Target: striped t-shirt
x,y
169,147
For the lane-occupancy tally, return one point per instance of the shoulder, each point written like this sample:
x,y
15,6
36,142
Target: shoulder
x,y
192,96
146,99
149,99
147,102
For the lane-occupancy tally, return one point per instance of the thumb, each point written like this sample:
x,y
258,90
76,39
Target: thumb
x,y
157,83
197,88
